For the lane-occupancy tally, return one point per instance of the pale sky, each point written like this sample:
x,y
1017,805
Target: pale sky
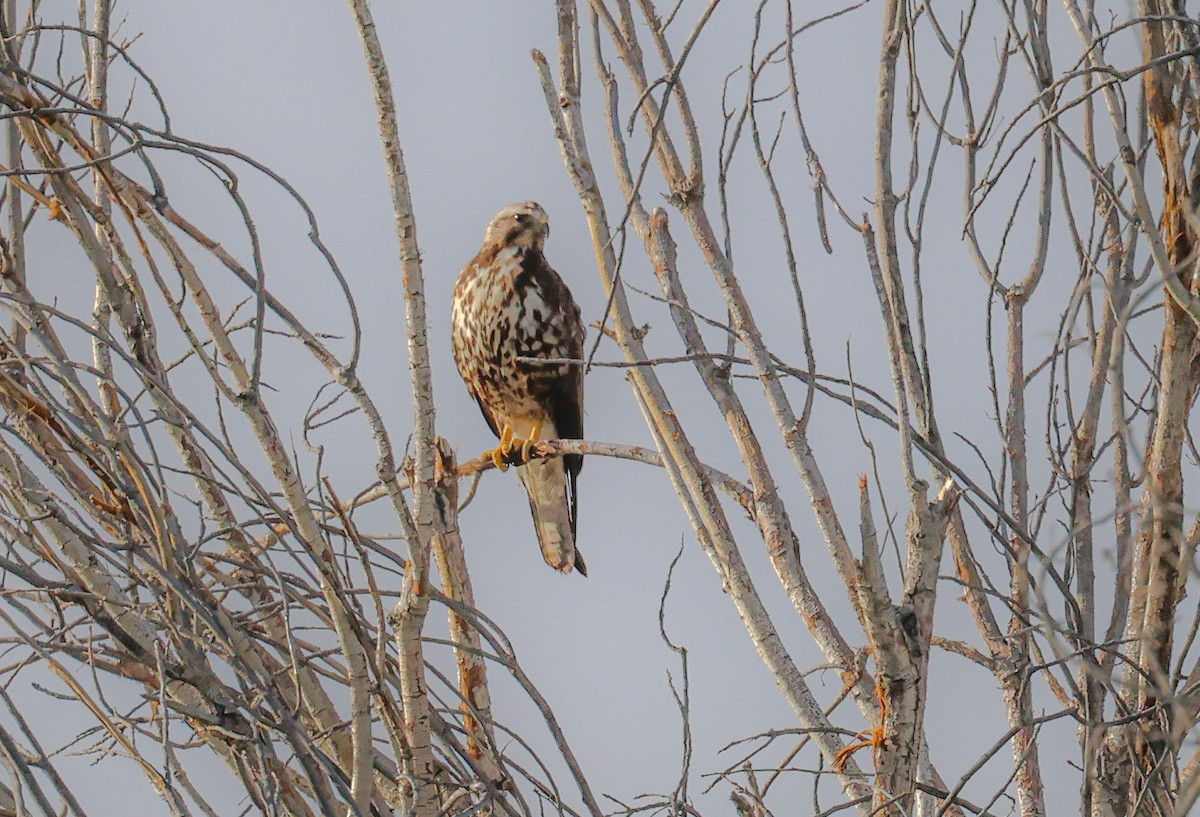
x,y
284,83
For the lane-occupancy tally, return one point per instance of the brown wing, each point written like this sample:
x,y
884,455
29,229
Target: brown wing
x,y
566,407
562,397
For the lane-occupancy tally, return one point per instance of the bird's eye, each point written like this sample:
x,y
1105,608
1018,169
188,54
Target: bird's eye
x,y
521,218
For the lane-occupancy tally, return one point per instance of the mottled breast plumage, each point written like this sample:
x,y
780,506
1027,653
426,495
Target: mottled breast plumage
x,y
510,305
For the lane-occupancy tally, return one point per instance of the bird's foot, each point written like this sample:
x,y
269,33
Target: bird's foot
x,y
535,434
499,454
502,454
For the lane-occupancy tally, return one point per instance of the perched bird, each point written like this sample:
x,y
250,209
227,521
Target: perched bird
x,y
509,304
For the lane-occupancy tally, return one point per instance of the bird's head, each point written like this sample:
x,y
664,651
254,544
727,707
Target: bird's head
x,y
523,224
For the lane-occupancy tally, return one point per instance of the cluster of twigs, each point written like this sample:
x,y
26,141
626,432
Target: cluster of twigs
x,y
1038,608
189,584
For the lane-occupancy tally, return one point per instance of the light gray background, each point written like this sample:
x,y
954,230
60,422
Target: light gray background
x,y
284,82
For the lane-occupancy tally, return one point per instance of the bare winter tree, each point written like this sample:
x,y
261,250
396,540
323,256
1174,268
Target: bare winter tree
x,y
186,576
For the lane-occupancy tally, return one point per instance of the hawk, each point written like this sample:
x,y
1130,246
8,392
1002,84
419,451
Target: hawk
x,y
510,304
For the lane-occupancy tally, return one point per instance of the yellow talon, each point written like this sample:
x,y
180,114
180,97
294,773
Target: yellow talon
x,y
497,454
510,442
535,434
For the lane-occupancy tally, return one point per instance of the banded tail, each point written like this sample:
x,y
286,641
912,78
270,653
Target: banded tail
x,y
551,498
